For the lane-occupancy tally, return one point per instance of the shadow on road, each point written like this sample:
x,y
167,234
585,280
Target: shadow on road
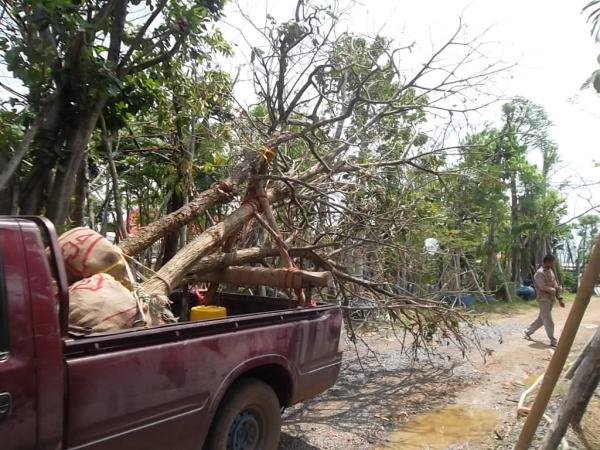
x,y
539,346
297,443
366,405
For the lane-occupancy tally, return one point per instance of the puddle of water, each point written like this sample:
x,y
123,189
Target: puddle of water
x,y
531,378
441,428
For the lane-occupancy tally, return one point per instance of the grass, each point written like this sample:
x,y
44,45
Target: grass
x,y
516,306
505,307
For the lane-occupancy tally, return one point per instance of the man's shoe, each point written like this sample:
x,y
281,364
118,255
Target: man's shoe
x,y
553,344
527,336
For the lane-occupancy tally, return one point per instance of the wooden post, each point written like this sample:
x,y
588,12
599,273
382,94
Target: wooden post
x,y
582,299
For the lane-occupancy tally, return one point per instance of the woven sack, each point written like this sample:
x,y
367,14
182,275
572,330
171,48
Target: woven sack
x,y
100,303
87,253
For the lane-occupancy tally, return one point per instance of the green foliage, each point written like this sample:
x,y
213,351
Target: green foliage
x,y
569,281
593,10
155,68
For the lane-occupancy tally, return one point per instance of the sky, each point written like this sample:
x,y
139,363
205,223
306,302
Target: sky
x,y
548,41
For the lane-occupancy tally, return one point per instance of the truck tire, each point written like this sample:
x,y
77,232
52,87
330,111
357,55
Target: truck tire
x,y
248,418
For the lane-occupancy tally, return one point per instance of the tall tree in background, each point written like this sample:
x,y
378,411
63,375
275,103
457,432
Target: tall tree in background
x,y
74,59
525,130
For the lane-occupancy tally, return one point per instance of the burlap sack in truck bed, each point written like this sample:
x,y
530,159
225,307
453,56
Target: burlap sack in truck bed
x,y
87,253
100,303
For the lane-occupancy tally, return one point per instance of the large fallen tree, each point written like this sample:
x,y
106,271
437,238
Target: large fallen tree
x,y
322,105
344,126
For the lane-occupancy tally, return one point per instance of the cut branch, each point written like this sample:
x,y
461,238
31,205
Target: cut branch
x,y
219,193
280,278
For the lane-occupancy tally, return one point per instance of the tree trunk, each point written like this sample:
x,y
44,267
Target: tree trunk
x,y
9,195
46,146
169,276
220,261
80,190
171,244
34,193
104,211
64,182
582,354
108,146
490,250
217,194
183,231
582,388
10,168
88,200
515,262
587,393
281,278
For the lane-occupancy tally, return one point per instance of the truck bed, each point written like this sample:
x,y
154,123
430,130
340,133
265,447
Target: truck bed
x,y
243,312
146,385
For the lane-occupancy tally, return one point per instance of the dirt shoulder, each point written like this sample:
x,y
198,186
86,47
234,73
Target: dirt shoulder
x,y
380,392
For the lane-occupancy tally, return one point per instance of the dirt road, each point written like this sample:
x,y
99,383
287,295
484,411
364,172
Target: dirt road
x,y
393,403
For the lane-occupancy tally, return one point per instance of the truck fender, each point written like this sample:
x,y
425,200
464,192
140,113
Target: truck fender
x,y
275,370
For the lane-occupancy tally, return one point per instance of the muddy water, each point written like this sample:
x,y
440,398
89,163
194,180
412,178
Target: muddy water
x,y
531,378
439,429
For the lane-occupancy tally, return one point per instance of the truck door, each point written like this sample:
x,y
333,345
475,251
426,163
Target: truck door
x,y
18,427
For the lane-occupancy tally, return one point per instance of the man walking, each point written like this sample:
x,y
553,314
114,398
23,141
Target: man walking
x,y
547,289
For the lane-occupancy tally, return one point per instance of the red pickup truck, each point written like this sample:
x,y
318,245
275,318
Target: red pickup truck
x,y
216,384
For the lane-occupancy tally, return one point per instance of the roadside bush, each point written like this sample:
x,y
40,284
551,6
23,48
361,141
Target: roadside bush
x,y
569,281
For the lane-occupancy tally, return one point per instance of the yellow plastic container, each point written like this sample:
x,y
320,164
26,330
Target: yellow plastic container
x,y
207,312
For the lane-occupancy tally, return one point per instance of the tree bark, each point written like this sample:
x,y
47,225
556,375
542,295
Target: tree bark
x,y
281,278
80,190
64,182
219,193
171,244
490,249
515,260
172,273
46,143
120,214
10,168
9,195
169,276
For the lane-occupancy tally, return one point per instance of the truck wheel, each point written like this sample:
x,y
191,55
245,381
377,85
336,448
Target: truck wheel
x,y
249,418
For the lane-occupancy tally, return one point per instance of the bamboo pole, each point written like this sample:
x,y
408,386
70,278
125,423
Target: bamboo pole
x,y
582,299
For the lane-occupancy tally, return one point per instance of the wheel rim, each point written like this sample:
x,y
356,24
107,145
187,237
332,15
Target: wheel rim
x,y
245,431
